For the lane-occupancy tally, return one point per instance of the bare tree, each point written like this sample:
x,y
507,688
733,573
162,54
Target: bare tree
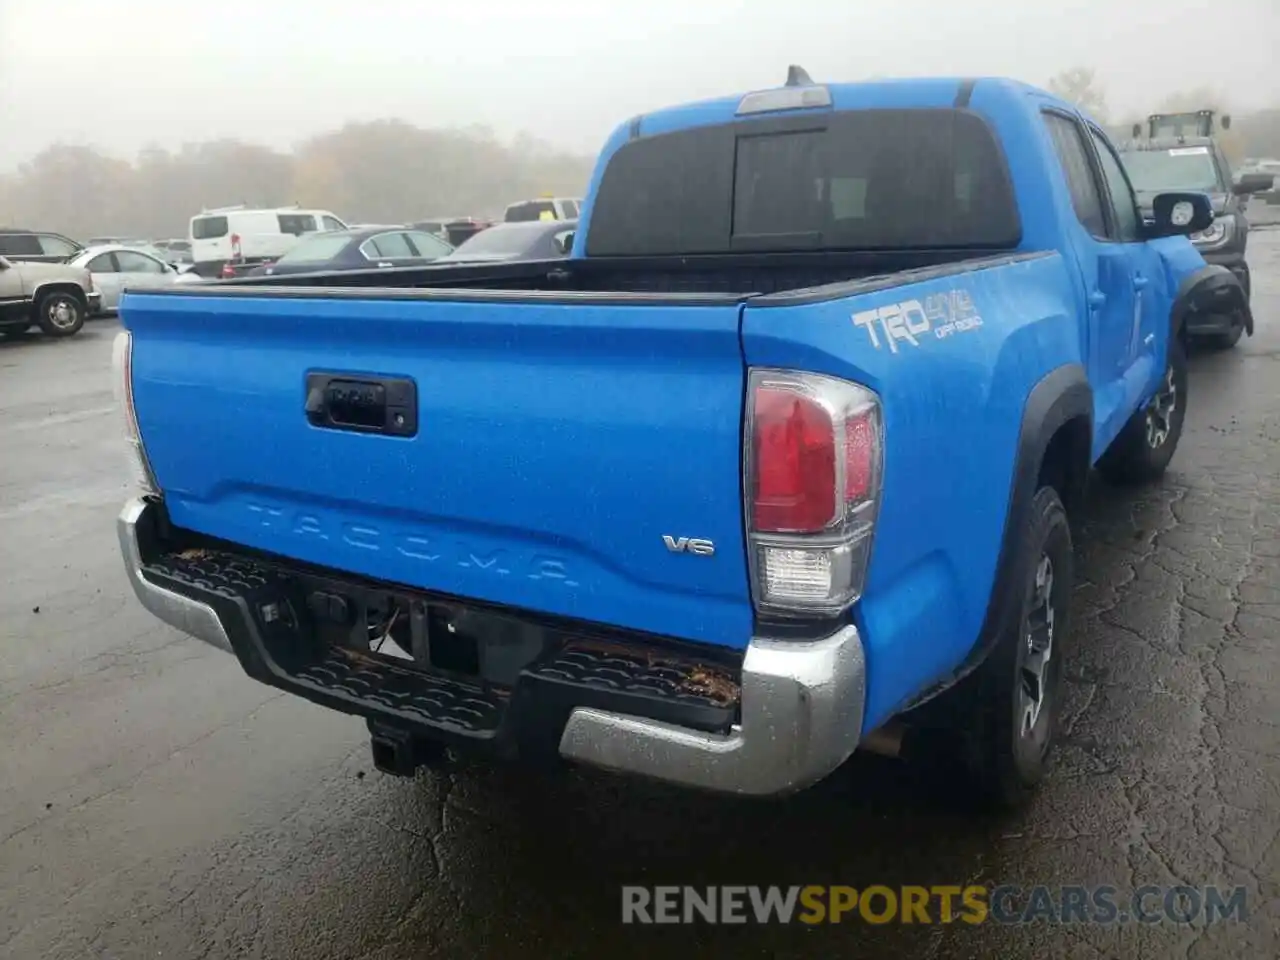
x,y
386,171
1080,85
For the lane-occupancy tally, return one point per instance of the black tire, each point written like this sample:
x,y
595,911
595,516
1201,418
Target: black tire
x,y
1005,713
1225,341
1142,451
60,314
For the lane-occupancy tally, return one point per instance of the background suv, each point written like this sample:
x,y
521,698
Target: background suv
x,y
57,297
37,246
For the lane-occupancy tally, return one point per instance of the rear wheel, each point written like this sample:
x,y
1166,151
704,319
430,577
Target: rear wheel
x,y
1010,705
1225,341
60,314
1145,446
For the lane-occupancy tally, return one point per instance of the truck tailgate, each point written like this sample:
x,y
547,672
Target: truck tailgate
x,y
562,452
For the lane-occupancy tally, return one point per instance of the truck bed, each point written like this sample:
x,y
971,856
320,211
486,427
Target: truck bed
x,y
714,279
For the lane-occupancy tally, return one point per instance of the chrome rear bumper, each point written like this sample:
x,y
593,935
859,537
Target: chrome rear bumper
x,y
802,707
800,717
190,616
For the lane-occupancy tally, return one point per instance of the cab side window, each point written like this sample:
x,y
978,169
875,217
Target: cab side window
x,y
296,223
428,245
1128,223
1068,141
1225,176
392,246
19,245
131,262
53,246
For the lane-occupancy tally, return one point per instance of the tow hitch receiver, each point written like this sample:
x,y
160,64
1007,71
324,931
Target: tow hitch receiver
x,y
398,753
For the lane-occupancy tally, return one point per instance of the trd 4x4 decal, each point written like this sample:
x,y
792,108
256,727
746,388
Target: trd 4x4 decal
x,y
940,315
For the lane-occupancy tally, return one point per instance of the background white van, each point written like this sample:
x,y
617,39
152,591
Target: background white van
x,y
242,237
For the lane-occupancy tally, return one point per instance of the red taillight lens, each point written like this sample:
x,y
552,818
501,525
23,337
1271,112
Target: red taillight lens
x,y
795,462
228,270
860,455
813,486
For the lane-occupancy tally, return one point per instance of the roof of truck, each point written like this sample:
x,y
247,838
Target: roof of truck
x,y
908,92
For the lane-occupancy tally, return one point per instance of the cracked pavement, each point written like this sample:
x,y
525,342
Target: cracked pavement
x,y
156,802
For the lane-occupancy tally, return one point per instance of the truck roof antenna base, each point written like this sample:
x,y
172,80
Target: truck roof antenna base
x,y
798,77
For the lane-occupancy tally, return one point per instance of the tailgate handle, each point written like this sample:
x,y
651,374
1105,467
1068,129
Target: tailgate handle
x,y
386,405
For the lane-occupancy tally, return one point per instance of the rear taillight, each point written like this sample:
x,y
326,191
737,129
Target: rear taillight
x,y
122,371
814,452
235,245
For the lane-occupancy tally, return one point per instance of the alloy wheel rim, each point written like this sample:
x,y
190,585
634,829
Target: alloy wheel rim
x,y
61,314
1160,412
1038,635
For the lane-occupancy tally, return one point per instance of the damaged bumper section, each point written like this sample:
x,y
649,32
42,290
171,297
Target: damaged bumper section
x,y
775,720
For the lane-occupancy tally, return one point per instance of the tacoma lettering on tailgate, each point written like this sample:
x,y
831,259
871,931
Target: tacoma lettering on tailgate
x,y
500,561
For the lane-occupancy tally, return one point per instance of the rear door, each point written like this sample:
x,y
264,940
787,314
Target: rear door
x,y
210,238
278,234
141,272
390,249
1151,304
14,304
428,246
21,247
107,278
1109,273
559,441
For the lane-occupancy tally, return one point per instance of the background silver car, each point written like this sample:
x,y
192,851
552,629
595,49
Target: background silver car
x,y
115,267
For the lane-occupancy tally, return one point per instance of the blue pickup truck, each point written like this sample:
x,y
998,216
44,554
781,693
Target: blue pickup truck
x,y
779,463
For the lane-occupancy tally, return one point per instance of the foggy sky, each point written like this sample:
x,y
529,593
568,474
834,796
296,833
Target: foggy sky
x,y
121,75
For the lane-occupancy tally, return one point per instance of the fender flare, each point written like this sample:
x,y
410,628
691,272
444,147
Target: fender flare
x,y
1062,395
70,286
1209,285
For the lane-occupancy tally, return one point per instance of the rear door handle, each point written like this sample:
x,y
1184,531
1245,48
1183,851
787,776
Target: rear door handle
x,y
1140,283
384,264
1097,300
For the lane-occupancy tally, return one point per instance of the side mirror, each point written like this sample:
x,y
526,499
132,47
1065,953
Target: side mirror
x,y
564,243
1179,214
1253,183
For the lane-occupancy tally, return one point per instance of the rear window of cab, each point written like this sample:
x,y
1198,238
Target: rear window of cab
x,y
857,180
533,210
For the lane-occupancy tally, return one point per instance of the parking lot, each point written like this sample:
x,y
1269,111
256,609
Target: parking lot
x,y
155,802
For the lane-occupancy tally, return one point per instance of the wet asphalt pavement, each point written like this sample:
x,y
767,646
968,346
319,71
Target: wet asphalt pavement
x,y
154,802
